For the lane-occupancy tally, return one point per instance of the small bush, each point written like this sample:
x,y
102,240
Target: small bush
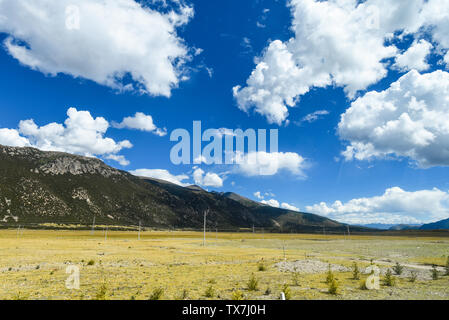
x,y
287,292
237,295
363,285
210,292
20,296
355,271
389,279
184,295
413,276
330,275
91,262
434,272
267,291
261,266
157,294
333,287
253,283
398,269
447,266
102,291
296,277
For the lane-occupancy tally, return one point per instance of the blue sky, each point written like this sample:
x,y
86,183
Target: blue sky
x,y
390,183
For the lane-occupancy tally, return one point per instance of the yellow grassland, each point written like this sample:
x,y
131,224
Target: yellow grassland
x,y
33,264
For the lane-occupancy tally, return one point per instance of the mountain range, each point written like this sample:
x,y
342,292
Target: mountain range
x,y
39,187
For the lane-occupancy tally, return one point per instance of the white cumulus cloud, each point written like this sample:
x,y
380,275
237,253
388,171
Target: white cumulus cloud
x,y
272,203
80,134
415,57
290,207
142,122
409,119
270,163
258,195
393,207
275,204
162,174
335,40
103,41
208,179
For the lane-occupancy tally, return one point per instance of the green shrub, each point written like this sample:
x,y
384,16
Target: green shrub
x,y
157,294
330,275
333,287
261,266
237,295
389,279
102,291
184,295
267,291
91,262
287,292
296,277
363,285
447,266
253,283
210,292
434,272
398,268
413,276
355,271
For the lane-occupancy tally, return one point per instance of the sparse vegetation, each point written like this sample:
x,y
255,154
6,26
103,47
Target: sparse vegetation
x,y
398,268
157,294
178,266
253,283
413,276
435,273
101,292
91,262
296,277
333,287
261,266
447,266
184,295
355,271
237,295
389,280
287,292
210,292
329,275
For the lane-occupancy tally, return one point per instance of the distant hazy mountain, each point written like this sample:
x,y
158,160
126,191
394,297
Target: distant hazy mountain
x,y
439,225
384,226
53,187
405,227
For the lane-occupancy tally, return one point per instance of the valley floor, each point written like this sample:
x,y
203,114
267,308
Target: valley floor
x,y
176,265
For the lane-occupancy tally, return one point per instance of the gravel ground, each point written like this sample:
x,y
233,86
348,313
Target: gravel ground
x,y
309,266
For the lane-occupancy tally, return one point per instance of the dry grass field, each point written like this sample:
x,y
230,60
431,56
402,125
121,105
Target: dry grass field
x,y
175,265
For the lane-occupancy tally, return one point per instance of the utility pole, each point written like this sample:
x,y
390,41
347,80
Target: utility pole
x,y
349,234
253,228
204,229
138,236
93,227
106,234
283,249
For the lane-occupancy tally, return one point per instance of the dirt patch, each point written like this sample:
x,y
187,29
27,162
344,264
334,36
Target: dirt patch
x,y
309,266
